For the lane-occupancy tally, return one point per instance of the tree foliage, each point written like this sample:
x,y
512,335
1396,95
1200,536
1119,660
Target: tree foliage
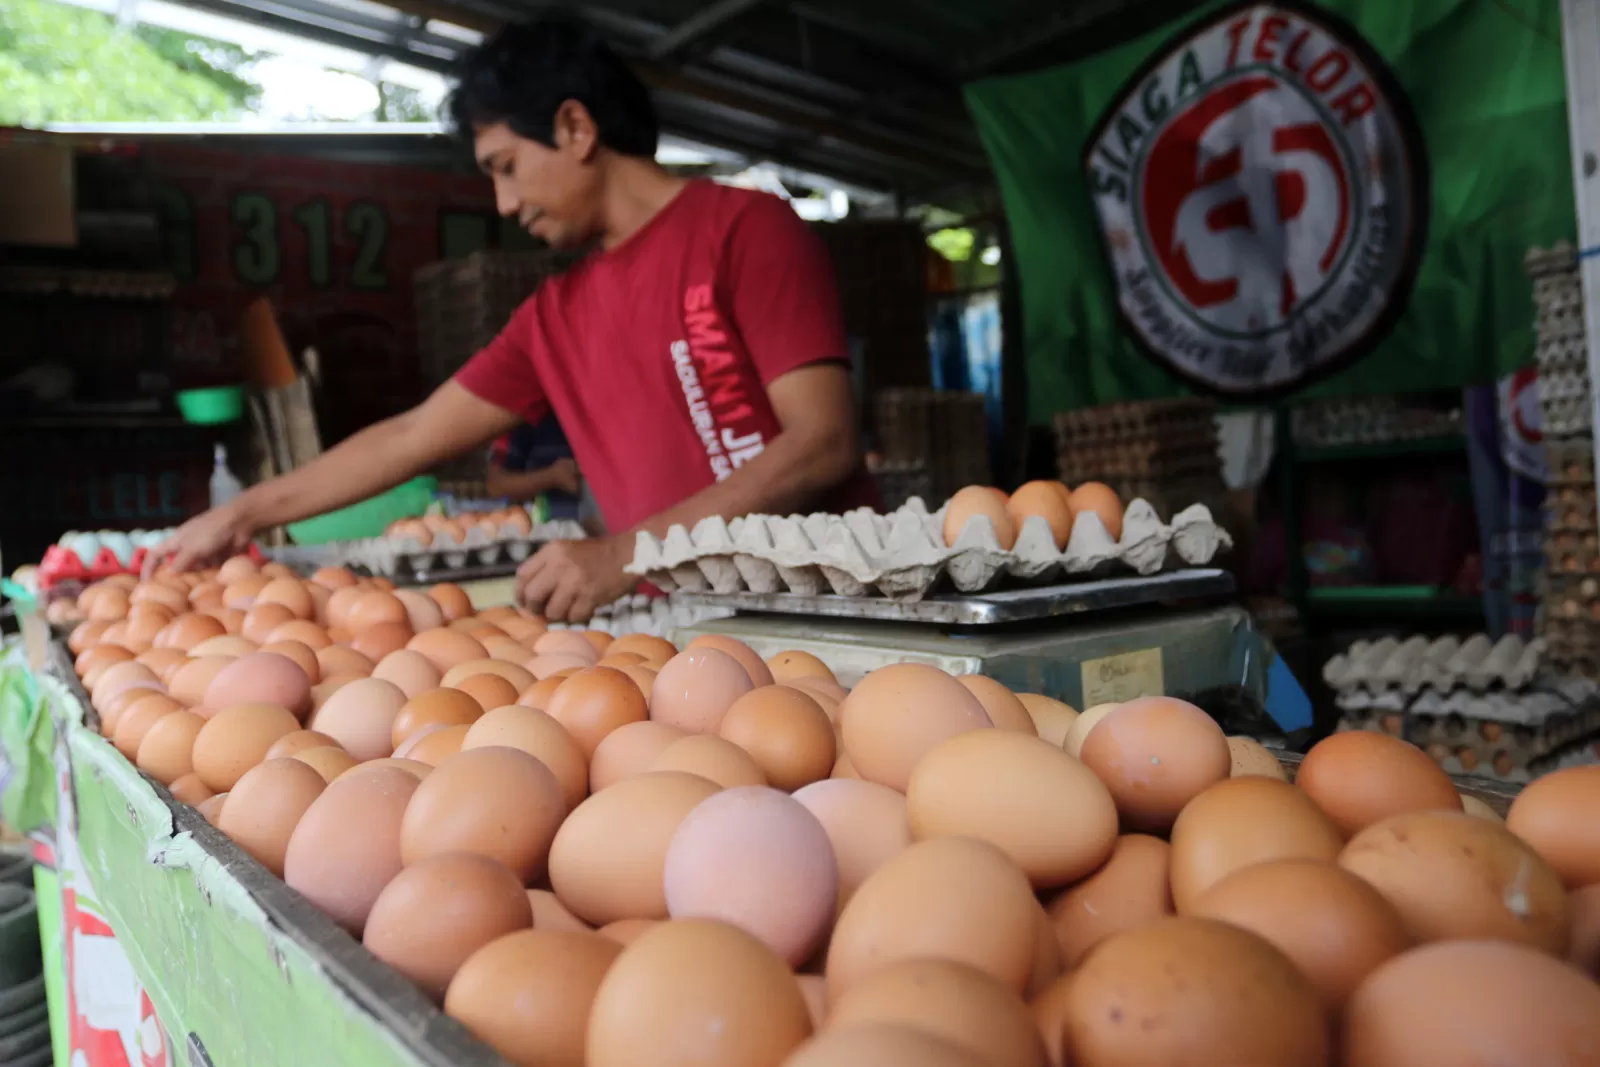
x,y
66,64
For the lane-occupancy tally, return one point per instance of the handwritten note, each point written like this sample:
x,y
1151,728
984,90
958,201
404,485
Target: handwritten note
x,y
1114,679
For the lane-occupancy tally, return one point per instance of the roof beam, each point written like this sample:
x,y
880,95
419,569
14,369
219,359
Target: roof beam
x,y
1055,26
705,21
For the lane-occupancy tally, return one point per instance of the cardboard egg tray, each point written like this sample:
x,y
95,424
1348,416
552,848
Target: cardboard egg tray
x,y
392,555
1443,664
903,556
1131,419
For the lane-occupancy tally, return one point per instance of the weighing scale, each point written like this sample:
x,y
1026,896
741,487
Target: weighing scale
x,y
1085,643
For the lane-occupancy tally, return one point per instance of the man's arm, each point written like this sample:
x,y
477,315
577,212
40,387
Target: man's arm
x,y
817,448
448,423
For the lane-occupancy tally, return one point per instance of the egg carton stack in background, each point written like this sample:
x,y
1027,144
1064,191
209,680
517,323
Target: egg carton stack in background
x,y
1478,707
392,555
1162,451
1570,616
903,555
1367,420
945,432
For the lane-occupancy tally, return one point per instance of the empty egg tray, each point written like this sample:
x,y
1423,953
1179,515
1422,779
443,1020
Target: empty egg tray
x,y
903,556
391,555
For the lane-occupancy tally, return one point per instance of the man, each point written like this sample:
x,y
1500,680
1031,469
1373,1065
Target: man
x,y
696,358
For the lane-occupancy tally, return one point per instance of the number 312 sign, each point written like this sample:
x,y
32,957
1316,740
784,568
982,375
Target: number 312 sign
x,y
259,251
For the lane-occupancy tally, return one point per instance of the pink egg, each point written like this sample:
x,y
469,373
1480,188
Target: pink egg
x,y
261,678
695,689
755,858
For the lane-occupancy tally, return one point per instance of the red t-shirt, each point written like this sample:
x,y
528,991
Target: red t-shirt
x,y
656,354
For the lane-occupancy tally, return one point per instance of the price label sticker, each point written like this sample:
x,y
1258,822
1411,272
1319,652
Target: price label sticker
x,y
1114,679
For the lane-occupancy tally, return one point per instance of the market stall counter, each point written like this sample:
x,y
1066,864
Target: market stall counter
x,y
164,918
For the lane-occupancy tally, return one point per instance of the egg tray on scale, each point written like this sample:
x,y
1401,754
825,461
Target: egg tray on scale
x,y
391,555
903,556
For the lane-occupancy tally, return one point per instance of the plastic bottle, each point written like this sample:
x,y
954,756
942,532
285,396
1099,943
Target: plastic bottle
x,y
224,486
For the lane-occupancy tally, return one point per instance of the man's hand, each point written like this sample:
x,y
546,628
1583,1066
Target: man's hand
x,y
203,541
568,580
564,476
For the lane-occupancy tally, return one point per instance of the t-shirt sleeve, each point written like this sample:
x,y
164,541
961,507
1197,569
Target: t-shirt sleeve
x,y
784,297
503,373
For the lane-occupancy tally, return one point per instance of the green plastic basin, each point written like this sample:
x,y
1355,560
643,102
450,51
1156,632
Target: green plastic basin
x,y
370,517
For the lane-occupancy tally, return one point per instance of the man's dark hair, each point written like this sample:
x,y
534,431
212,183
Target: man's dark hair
x,y
525,72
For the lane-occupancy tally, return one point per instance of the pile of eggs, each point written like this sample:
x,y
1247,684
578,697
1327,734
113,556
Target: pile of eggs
x,y
612,853
1054,502
424,531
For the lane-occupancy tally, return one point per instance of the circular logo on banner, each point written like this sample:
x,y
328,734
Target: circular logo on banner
x,y
1262,194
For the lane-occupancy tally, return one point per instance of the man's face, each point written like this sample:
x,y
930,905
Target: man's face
x,y
552,192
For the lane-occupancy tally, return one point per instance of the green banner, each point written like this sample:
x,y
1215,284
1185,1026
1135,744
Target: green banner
x,y
1281,198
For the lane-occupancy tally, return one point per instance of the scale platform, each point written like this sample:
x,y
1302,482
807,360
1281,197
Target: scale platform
x,y
1087,643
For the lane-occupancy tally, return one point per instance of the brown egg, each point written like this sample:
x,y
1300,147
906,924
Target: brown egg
x,y
1360,777
323,692
167,748
757,858
303,657
793,664
1241,821
1023,795
643,678
189,684
346,847
505,650
919,904
489,690
117,677
236,568
495,802
1333,926
1005,711
411,671
299,741
452,601
229,645
113,708
262,677
979,501
1454,876
371,609
86,635
190,790
159,592
1558,815
109,606
447,648
712,758
866,823
241,594
785,732
1192,991
419,771
443,707
439,911
117,634
210,809
543,667
101,656
333,578
1155,754
519,677
1103,501
264,807
539,736
1051,718
236,739
381,639
304,631
232,619
208,594
565,643
1129,892
187,631
1583,947
1248,756
360,717
628,750
626,931
145,623
1471,1002
529,994
696,688
164,661
592,703
540,693
137,721
900,713
881,1045
432,745
656,650
1050,502
291,593
550,914
717,996
950,1000
336,659
607,859
754,666
422,611
340,603
620,659
328,761
524,632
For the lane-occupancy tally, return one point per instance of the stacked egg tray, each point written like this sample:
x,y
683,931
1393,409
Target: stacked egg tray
x,y
1367,420
1160,440
396,555
1560,348
903,555
948,432
1491,709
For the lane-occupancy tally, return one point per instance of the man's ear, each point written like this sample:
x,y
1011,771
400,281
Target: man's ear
x,y
575,130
